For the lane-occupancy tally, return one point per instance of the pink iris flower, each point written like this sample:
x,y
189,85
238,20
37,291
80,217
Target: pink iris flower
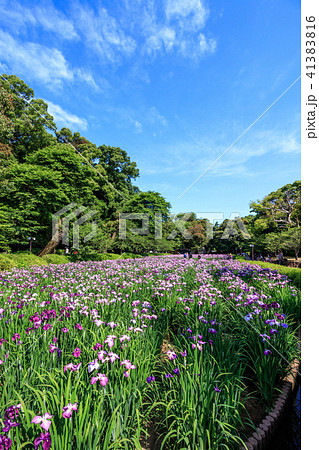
x,y
52,348
110,341
113,357
72,367
101,354
200,347
100,377
67,410
43,420
138,329
128,364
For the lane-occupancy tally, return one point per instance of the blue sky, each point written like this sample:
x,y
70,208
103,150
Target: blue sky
x,y
173,83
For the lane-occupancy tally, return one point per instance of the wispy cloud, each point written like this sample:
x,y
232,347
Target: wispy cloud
x,y
41,63
64,118
87,77
138,126
146,29
156,118
47,65
17,17
189,158
180,30
103,33
134,28
190,15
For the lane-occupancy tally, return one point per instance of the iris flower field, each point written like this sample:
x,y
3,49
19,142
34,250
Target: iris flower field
x,y
95,355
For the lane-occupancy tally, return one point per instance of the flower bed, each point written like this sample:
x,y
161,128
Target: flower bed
x,y
96,354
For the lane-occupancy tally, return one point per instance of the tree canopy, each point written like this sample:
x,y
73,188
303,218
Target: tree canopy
x,y
43,170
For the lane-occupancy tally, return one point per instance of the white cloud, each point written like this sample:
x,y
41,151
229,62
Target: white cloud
x,y
181,30
65,118
39,62
190,14
138,126
162,40
103,33
52,20
206,45
155,117
142,28
82,75
47,65
17,17
192,157
290,144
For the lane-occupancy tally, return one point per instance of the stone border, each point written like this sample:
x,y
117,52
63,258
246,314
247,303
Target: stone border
x,y
268,427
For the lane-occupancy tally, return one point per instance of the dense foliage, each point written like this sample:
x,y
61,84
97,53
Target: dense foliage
x,y
274,226
43,170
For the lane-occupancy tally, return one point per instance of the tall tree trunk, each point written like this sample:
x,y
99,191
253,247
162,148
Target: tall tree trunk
x,y
53,242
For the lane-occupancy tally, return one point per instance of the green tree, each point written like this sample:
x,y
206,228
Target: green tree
x,y
291,240
279,209
231,236
29,119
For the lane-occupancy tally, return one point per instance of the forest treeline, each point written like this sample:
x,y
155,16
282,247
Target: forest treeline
x,y
44,169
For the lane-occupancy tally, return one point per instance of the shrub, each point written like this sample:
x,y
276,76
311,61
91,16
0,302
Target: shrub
x,y
26,259
56,259
5,263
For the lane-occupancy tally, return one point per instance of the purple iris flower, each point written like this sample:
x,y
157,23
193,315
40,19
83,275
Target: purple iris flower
x,y
45,438
264,336
212,330
5,442
267,352
77,352
150,379
171,355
